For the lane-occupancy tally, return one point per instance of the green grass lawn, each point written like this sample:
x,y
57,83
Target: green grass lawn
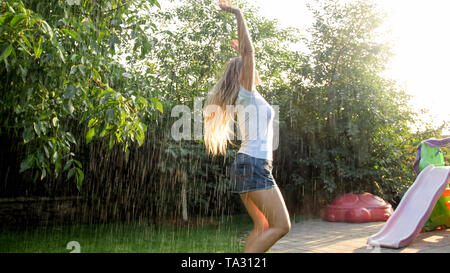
x,y
223,235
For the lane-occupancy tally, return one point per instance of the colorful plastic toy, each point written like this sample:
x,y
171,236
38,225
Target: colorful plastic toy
x,y
357,208
429,152
420,200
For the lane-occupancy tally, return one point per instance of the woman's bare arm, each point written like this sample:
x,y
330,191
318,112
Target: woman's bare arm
x,y
247,53
245,46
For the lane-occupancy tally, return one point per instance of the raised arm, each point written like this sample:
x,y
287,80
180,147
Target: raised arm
x,y
245,46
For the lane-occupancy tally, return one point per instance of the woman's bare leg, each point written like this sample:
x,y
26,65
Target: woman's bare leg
x,y
260,223
271,204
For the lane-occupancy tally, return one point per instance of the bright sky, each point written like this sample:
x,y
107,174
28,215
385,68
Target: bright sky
x,y
420,31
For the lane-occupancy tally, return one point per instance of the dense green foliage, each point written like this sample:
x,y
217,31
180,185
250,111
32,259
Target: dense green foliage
x,y
348,124
61,78
80,76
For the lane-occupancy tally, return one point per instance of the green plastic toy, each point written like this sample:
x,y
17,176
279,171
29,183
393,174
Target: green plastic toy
x,y
440,216
430,155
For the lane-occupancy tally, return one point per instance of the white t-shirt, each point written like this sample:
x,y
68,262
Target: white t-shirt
x,y
255,120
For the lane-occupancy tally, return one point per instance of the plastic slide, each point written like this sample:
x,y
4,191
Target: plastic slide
x,y
414,209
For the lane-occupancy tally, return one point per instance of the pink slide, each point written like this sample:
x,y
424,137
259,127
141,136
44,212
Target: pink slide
x,y
414,209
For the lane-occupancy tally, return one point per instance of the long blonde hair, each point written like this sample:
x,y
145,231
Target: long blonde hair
x,y
218,116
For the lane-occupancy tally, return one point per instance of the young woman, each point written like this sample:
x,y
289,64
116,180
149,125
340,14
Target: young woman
x,y
251,172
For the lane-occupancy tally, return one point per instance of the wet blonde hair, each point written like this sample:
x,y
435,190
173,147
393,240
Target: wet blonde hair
x,y
218,115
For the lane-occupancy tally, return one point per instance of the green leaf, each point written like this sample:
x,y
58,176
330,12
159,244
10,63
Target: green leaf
x,y
92,122
25,39
28,135
90,134
44,116
110,116
27,46
47,153
80,178
103,130
70,107
140,139
60,54
72,34
23,73
7,51
47,29
27,163
112,141
43,173
71,173
82,70
143,101
38,49
96,75
74,57
73,70
37,128
55,121
54,157
78,163
71,138
17,19
4,17
155,2
68,164
158,105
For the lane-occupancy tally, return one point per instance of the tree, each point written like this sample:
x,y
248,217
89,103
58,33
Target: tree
x,y
349,124
83,76
62,81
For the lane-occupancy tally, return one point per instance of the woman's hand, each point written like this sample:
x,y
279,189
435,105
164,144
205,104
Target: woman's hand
x,y
235,45
227,6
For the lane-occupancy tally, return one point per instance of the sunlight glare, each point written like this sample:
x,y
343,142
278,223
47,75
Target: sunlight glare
x,y
421,58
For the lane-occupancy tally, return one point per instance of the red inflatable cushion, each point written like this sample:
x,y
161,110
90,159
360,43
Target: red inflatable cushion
x,y
358,208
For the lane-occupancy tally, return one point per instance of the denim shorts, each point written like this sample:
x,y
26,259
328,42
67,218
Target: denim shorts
x,y
251,174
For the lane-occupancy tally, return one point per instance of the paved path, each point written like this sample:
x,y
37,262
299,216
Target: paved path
x,y
320,236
